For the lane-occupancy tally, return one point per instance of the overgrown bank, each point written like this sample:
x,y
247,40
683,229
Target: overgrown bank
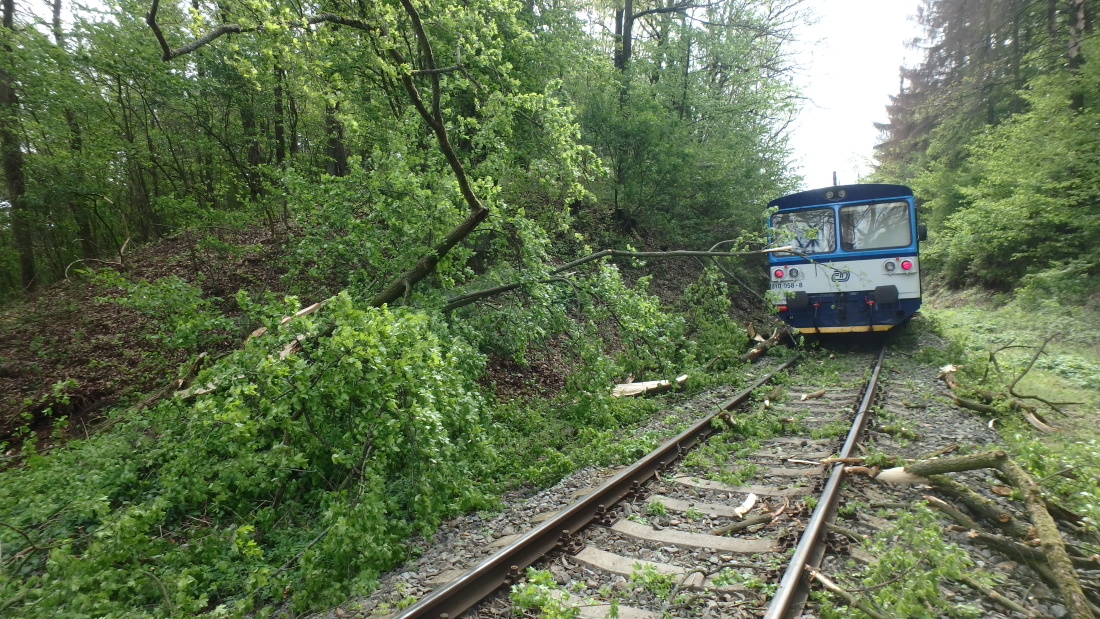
x,y
295,467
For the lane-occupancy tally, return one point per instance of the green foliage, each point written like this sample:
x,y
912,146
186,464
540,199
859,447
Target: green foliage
x,y
831,429
261,491
741,472
264,486
899,431
1023,214
542,441
691,146
706,303
1067,467
730,576
537,594
915,548
1069,371
656,508
183,318
657,583
693,514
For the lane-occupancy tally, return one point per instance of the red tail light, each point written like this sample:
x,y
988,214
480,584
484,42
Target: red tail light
x,y
906,265
782,308
778,273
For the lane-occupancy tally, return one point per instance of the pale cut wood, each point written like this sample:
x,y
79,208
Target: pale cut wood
x,y
624,390
811,396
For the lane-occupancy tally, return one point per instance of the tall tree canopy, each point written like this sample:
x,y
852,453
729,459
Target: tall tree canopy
x,y
992,130
663,120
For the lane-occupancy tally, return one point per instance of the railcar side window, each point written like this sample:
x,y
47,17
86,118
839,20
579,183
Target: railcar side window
x,y
874,226
811,231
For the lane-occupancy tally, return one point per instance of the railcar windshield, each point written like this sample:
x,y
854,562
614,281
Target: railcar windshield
x,y
812,231
875,226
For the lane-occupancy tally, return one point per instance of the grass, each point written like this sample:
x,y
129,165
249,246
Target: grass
x,y
996,342
1067,371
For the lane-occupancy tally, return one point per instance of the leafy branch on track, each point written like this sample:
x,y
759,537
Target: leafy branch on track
x,y
1060,569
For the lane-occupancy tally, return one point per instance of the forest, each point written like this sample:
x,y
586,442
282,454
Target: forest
x,y
995,131
280,277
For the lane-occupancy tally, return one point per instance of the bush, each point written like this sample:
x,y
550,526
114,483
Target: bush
x,y
296,477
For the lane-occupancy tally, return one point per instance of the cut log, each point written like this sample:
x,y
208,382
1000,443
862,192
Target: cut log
x,y
956,464
898,475
811,396
624,390
947,373
761,348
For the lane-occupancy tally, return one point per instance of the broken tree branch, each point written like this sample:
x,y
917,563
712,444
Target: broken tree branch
x,y
465,299
947,373
1050,539
977,585
761,347
850,599
752,520
985,508
168,53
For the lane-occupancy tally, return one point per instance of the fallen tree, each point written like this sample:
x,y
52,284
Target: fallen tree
x,y
983,400
1060,571
557,274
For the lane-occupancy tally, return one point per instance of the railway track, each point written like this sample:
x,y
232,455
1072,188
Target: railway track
x,y
664,546
724,525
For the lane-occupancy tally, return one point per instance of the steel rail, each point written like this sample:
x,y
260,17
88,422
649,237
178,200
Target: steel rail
x,y
504,567
793,584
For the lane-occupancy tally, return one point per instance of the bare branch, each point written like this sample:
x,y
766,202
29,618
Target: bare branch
x,y
167,53
463,300
438,71
658,254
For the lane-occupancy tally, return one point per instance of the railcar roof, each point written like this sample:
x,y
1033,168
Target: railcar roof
x,y
855,193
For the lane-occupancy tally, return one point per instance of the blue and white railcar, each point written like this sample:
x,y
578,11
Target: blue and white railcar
x,y
853,261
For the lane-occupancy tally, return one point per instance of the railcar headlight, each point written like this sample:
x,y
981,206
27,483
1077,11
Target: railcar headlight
x,y
792,272
906,265
889,266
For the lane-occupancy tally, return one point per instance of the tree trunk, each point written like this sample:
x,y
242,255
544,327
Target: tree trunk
x,y
252,139
11,159
337,164
624,33
280,122
76,144
1078,25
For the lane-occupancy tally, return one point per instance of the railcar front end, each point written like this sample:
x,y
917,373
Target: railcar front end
x,y
851,262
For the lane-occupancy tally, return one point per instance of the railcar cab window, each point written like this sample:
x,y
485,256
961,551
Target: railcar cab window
x,y
812,231
875,226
